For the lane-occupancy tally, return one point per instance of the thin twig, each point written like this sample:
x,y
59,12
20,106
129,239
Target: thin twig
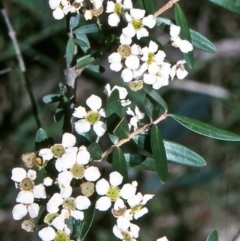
x,y
165,8
138,131
21,63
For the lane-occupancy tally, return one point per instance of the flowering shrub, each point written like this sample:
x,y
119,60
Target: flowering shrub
x,y
64,183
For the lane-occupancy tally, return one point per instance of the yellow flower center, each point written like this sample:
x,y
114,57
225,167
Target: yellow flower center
x,y
92,117
87,188
77,170
62,236
118,9
57,150
151,58
26,184
124,50
137,23
69,204
113,193
136,85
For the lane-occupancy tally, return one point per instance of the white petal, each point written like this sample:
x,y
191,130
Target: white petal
x,y
18,174
142,33
149,79
113,20
162,239
146,198
94,102
68,160
117,232
66,191
58,223
82,126
137,13
149,21
102,186
92,174
25,197
82,202
116,67
132,62
114,58
174,30
47,181
103,203
83,156
19,211
153,47
100,128
181,73
107,90
159,57
129,31
118,204
79,112
130,112
185,46
115,178
127,75
110,7
58,13
33,210
124,39
64,178
88,15
46,154
32,174
128,191
140,213
47,234
68,140
127,4
39,191
56,198
134,201
78,215
54,3
122,91
123,223
134,230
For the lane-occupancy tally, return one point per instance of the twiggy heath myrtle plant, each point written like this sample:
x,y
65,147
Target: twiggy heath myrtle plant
x,y
64,184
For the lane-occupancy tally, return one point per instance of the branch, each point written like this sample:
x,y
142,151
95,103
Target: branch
x,y
138,131
21,63
165,7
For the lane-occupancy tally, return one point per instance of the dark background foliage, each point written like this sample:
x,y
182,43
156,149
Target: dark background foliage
x,y
194,201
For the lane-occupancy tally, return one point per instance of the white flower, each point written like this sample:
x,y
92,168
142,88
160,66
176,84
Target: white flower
x,y
179,70
116,10
125,229
47,181
137,203
64,180
136,117
184,45
91,117
58,6
136,22
20,210
162,239
47,234
111,192
122,93
152,57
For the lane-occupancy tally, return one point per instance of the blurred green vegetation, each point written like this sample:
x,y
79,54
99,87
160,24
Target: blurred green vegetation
x,y
194,201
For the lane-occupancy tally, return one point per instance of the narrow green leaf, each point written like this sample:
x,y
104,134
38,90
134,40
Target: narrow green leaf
x,y
82,227
47,99
83,42
90,28
114,139
150,6
119,163
213,236
205,129
122,129
41,139
174,152
201,42
154,94
74,21
95,151
84,61
198,40
232,5
70,51
159,153
185,32
95,68
114,105
152,108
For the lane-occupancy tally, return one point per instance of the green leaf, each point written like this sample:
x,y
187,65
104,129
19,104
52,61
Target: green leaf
x,y
70,50
150,6
198,40
114,139
122,129
84,61
119,163
47,99
159,153
95,151
138,4
83,42
113,104
213,236
95,68
152,108
41,139
201,42
185,33
174,152
74,21
205,129
154,94
232,5
90,28
82,227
